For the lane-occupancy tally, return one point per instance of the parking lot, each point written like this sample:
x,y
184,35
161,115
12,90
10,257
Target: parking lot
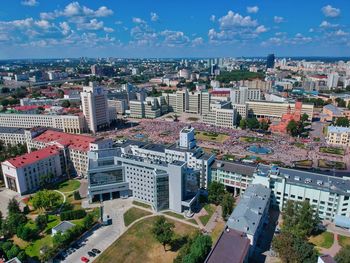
x,y
5,196
102,237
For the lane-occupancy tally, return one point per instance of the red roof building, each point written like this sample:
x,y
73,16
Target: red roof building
x,y
281,127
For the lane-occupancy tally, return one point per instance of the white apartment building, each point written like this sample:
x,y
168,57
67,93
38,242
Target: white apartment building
x,y
338,136
27,173
244,94
67,123
95,107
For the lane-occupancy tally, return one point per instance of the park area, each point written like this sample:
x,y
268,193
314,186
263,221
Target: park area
x,y
211,136
322,163
138,244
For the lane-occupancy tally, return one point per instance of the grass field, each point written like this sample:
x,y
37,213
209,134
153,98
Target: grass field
x,y
344,241
323,240
173,214
211,136
299,145
141,204
138,245
332,150
133,214
330,164
210,210
303,163
68,186
228,157
252,139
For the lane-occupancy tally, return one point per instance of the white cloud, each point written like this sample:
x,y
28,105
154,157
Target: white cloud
x,y
261,29
65,28
236,20
330,11
74,9
93,24
138,20
252,9
108,29
197,41
326,24
43,24
154,17
212,18
174,38
278,19
341,33
30,3
118,22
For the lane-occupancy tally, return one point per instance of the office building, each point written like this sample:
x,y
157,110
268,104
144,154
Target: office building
x,y
95,107
275,110
328,195
332,80
137,109
242,94
160,184
27,173
338,136
270,61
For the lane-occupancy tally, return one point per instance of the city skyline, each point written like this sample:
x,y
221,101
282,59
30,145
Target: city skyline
x,y
55,29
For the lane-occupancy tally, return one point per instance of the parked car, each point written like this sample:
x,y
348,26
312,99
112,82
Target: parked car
x,y
84,259
96,251
91,254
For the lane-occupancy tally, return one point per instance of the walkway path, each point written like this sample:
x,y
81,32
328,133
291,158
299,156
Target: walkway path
x,y
213,220
334,249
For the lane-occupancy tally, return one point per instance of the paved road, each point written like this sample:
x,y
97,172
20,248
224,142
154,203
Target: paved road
x,y
104,236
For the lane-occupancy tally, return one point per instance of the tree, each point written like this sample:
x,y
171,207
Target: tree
x,y
41,221
88,221
340,102
77,195
46,199
27,233
243,124
13,207
343,256
342,121
200,248
47,253
65,104
304,117
216,191
26,210
238,118
253,123
227,205
292,128
264,125
163,231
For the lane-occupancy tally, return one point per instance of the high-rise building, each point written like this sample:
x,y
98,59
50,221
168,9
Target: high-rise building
x,y
95,107
270,61
332,81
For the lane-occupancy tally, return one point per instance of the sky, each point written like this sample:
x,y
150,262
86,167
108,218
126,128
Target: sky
x,y
173,28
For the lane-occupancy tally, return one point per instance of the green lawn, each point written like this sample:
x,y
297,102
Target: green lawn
x,y
323,240
252,139
53,221
330,164
299,145
303,163
210,210
332,150
137,244
133,214
228,157
141,204
173,214
68,186
33,250
344,241
211,136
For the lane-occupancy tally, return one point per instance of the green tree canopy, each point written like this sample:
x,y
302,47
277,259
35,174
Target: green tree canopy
x,y
163,231
216,192
343,256
46,199
342,121
227,205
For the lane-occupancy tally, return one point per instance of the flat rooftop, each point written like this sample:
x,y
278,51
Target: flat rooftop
x,y
11,130
234,167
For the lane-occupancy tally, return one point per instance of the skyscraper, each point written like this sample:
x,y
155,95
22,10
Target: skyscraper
x,y
95,107
270,61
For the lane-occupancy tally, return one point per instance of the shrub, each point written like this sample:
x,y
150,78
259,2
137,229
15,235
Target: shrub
x,y
72,214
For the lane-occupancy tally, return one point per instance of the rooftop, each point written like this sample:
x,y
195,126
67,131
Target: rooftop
x,y
72,141
338,129
11,130
334,109
231,247
247,215
234,167
33,157
63,226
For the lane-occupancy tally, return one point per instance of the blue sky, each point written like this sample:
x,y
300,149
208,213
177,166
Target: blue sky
x,y
166,28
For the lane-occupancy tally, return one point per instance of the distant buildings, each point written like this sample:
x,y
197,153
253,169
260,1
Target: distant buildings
x,y
331,113
338,136
270,61
332,81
